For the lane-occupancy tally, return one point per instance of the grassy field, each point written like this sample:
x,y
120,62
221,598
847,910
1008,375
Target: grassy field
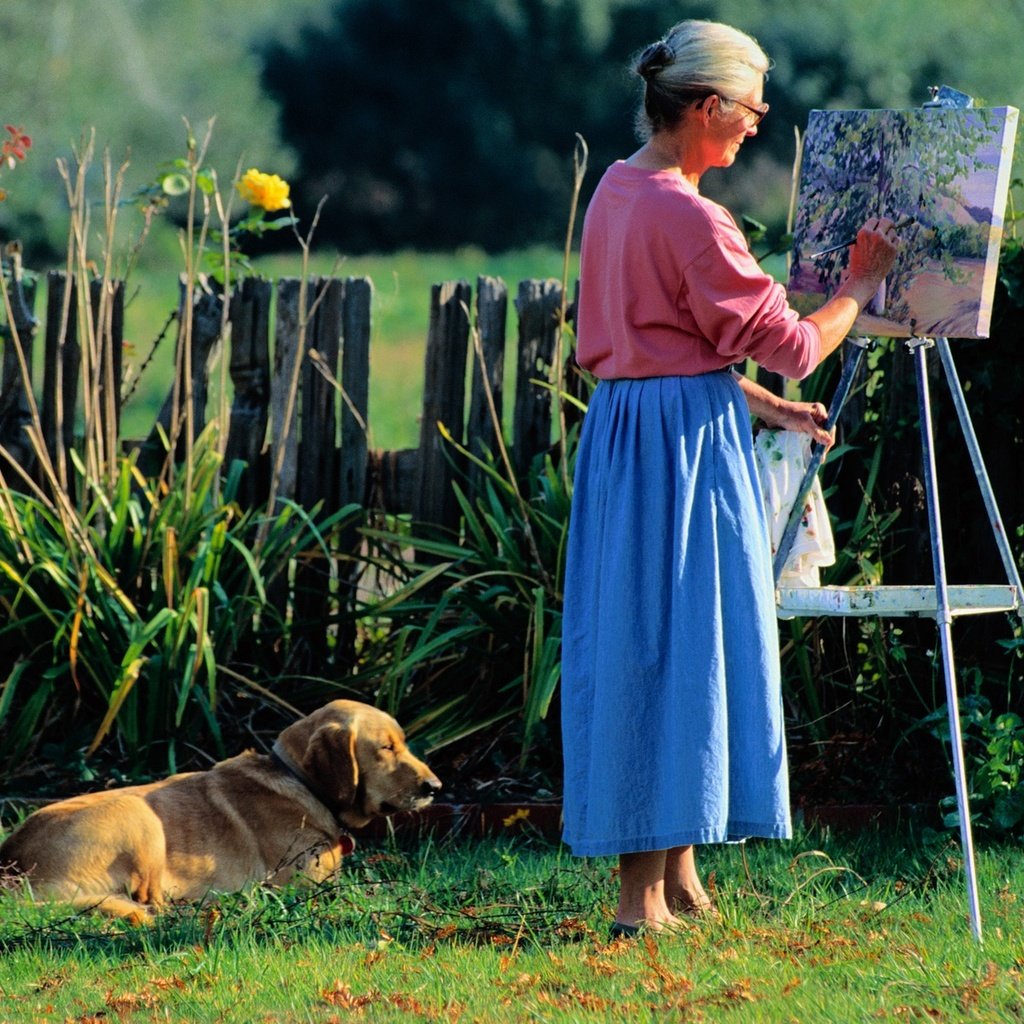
x,y
400,311
826,928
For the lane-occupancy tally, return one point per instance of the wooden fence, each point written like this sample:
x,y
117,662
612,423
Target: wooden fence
x,y
323,433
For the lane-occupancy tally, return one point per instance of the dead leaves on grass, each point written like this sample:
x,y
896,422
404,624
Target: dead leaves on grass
x,y
342,997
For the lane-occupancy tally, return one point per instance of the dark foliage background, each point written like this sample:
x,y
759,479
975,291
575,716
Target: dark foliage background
x,y
440,124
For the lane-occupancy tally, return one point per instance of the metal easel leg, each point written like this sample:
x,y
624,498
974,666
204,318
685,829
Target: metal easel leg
x,y
981,474
944,621
854,356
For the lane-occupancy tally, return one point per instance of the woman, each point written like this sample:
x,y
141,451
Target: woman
x,y
672,720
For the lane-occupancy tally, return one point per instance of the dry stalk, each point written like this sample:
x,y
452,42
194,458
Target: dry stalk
x,y
305,315
579,165
192,245
58,502
224,216
510,474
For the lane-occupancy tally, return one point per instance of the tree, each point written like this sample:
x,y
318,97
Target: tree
x,y
132,70
438,124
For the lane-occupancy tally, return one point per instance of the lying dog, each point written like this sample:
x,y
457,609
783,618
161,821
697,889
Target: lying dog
x,y
253,818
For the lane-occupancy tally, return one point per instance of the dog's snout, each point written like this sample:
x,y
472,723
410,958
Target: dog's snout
x,y
431,786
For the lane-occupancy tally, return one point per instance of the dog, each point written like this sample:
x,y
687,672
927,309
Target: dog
x,y
270,818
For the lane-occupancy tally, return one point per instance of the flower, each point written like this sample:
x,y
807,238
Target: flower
x,y
265,190
15,147
12,150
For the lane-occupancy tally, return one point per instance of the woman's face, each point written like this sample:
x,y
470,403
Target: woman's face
x,y
732,120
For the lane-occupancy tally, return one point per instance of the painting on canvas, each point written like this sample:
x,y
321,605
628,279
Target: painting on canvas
x,y
941,173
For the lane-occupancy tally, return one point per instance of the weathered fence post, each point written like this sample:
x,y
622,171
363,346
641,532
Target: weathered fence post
x,y
207,322
205,331
539,304
444,392
317,479
250,374
108,330
352,460
574,380
484,424
318,465
284,389
355,385
62,358
15,410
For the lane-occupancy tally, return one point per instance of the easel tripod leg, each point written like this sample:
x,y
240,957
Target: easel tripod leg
x,y
944,621
980,473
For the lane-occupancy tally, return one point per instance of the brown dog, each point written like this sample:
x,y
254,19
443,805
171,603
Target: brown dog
x,y
253,818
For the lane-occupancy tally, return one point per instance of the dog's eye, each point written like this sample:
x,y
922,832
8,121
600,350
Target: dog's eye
x,y
389,745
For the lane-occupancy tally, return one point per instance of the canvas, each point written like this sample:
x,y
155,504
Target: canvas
x,y
940,173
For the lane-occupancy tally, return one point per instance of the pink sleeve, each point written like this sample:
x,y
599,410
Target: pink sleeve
x,y
743,311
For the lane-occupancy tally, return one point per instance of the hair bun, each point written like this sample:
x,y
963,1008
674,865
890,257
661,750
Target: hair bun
x,y
655,58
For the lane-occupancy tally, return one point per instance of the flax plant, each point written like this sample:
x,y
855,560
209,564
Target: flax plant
x,y
467,643
127,599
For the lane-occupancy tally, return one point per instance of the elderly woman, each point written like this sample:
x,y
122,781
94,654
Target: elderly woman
x,y
672,716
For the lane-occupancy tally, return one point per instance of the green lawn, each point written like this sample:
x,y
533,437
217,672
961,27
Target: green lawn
x,y
825,928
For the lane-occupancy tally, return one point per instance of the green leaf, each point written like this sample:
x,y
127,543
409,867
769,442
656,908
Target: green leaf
x,y
175,184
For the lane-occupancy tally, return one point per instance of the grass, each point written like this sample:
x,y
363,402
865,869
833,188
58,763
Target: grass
x,y
400,310
827,928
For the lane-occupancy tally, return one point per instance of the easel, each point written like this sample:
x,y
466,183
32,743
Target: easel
x,y
940,600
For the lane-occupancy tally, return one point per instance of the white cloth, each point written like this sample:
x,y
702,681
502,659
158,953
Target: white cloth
x,y
782,458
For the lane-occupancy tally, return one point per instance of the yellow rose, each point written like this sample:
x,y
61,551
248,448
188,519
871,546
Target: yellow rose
x,y
266,190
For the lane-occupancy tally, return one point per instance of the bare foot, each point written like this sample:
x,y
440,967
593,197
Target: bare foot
x,y
694,904
642,892
684,893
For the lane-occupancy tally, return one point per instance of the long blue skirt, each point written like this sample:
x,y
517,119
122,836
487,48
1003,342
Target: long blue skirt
x,y
671,706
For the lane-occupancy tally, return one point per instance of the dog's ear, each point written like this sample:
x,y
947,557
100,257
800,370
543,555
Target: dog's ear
x,y
329,762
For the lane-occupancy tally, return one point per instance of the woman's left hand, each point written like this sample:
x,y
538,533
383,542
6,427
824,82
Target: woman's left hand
x,y
804,417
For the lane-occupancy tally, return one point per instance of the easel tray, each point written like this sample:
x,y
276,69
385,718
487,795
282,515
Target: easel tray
x,y
893,601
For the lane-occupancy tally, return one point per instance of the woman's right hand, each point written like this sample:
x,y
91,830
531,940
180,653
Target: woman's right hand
x,y
874,253
871,259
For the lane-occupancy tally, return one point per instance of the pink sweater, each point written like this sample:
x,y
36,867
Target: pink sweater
x,y
668,287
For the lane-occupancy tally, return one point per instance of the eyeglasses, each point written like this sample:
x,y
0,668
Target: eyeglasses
x,y
758,113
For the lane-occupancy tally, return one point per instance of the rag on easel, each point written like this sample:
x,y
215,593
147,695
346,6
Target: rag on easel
x,y
782,457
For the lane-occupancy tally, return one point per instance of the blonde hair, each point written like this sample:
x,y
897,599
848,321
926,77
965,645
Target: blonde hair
x,y
694,60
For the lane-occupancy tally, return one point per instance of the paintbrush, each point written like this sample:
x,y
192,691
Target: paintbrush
x,y
905,223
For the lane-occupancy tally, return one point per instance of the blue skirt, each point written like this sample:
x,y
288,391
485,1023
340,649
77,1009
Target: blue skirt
x,y
671,705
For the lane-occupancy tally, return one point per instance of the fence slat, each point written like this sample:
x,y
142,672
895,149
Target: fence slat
x,y
355,383
108,329
481,429
352,458
62,355
205,332
318,467
444,392
250,374
284,386
307,406
15,412
391,483
318,463
538,304
574,379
